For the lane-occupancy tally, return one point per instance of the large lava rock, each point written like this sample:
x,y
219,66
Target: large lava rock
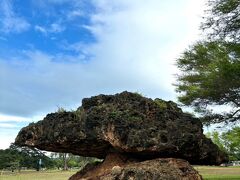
x,y
126,123
118,167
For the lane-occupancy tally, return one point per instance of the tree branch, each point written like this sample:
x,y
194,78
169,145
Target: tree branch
x,y
235,112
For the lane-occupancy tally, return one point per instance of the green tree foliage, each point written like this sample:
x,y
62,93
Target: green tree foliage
x,y
66,160
63,160
231,141
215,136
223,20
9,159
211,78
16,157
210,75
228,142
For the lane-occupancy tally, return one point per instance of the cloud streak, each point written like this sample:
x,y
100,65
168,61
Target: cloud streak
x,y
10,22
55,27
7,125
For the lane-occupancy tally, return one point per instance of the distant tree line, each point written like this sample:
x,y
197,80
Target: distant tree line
x,y
17,158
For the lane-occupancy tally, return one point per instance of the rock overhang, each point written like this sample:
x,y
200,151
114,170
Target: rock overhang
x,y
127,123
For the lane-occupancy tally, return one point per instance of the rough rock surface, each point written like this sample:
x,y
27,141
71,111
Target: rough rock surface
x,y
126,123
118,167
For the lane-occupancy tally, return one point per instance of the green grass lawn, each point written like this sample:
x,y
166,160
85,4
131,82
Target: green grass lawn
x,y
37,175
207,172
221,173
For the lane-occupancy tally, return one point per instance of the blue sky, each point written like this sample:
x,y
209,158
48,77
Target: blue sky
x,y
55,52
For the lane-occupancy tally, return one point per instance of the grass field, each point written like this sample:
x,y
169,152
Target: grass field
x,y
37,175
207,172
221,173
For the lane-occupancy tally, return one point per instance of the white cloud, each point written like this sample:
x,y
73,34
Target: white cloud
x,y
75,14
53,28
10,22
6,140
142,40
136,45
56,28
136,48
7,125
40,29
17,119
14,24
10,126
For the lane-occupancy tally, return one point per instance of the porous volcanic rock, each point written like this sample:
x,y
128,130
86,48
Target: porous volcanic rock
x,y
119,167
126,123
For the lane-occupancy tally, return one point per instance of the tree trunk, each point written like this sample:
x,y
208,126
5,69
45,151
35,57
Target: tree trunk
x,y
65,162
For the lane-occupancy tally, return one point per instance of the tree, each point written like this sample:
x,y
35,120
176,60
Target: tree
x,y
216,139
223,20
16,157
231,141
63,159
9,159
30,157
210,78
67,160
228,142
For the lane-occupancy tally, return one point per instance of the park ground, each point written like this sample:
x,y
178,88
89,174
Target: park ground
x,y
207,172
221,173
